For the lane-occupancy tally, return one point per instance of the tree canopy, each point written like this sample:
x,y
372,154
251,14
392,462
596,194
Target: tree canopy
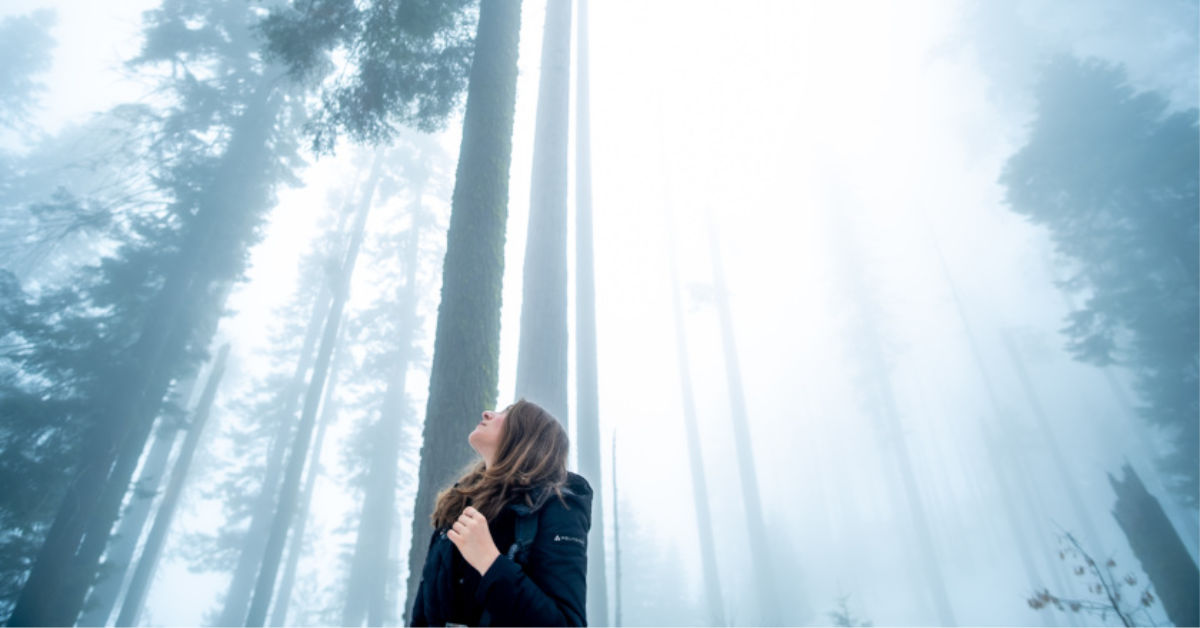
x,y
1113,174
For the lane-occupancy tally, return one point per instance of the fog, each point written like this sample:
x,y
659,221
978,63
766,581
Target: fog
x,y
818,221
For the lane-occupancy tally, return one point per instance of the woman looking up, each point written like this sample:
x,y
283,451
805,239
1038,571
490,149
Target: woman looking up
x,y
509,546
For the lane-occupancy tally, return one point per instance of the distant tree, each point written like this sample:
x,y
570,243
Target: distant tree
x,y
144,316
542,351
1107,587
841,616
289,491
1113,174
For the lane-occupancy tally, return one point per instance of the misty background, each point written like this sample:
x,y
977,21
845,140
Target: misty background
x,y
832,222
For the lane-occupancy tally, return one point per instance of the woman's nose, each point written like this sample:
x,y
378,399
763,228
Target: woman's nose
x,y
487,415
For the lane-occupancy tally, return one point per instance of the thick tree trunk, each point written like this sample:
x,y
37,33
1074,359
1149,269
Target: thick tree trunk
x,y
587,399
131,608
769,598
462,379
704,527
289,491
329,409
66,565
1158,548
370,569
542,359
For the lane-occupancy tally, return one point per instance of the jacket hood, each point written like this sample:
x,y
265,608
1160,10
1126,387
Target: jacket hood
x,y
576,492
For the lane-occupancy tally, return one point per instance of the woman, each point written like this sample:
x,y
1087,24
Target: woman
x,y
509,546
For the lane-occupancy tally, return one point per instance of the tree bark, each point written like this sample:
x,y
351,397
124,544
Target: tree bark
x,y
542,357
463,376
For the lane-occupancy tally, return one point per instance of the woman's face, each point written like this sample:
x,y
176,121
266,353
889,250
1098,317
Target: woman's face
x,y
485,439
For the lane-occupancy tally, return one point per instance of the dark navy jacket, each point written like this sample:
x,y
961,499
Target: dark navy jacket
x,y
547,589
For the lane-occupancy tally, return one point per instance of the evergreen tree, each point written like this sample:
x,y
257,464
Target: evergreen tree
x,y
1113,174
144,316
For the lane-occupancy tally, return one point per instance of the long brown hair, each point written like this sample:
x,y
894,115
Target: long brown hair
x,y
532,453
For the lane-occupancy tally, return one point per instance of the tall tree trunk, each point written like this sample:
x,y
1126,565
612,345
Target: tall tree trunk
x,y
237,597
704,527
119,555
1046,432
587,399
542,359
1158,548
66,564
1001,466
329,410
888,415
131,608
462,380
289,491
370,569
616,516
769,598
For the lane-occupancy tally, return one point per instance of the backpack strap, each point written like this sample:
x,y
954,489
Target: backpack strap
x,y
526,530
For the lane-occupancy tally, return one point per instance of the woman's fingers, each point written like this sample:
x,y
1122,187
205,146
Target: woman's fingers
x,y
459,527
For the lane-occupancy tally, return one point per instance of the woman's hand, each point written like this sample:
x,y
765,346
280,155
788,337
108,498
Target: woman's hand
x,y
471,536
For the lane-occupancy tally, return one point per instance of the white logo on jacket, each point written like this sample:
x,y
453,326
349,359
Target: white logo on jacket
x,y
573,539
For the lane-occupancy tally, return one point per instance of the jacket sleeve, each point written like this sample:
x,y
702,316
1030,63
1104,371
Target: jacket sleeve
x,y
418,611
551,590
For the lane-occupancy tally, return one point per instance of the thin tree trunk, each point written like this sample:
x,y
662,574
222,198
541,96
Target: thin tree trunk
x,y
370,569
148,561
769,599
237,597
329,410
616,516
1046,433
289,491
119,556
462,379
542,358
704,527
587,400
996,461
66,564
888,416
